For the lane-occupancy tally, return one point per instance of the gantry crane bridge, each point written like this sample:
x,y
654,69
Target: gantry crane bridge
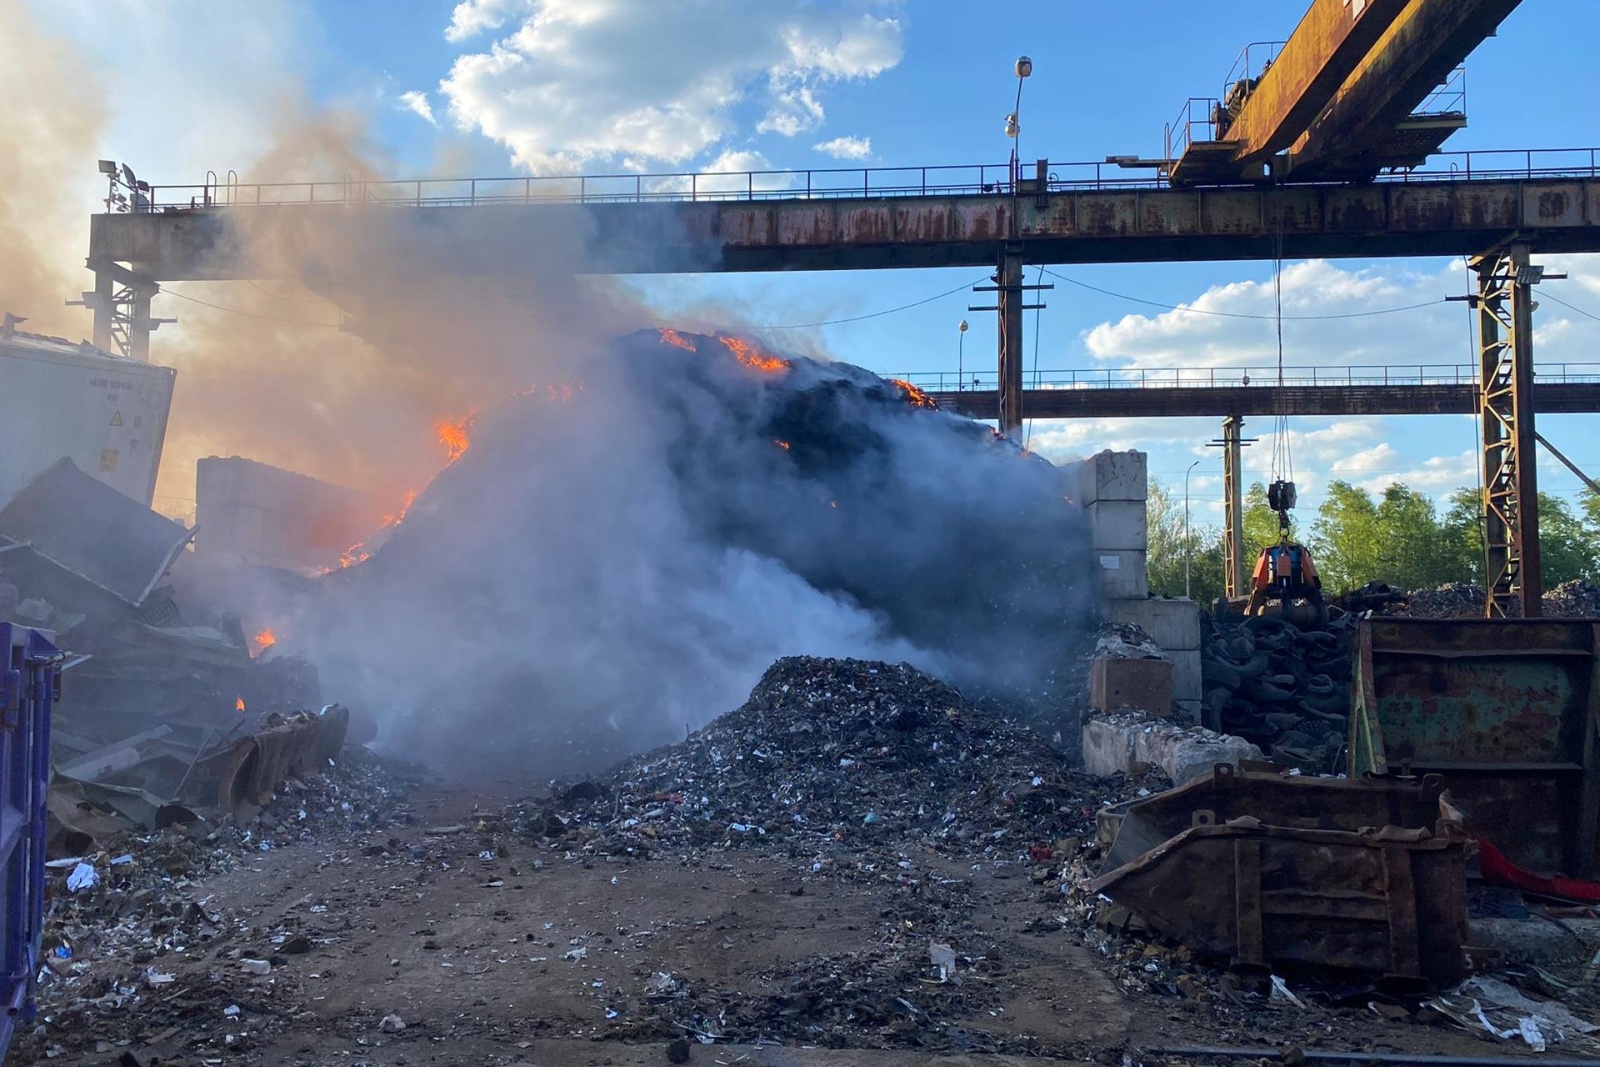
x,y
1327,145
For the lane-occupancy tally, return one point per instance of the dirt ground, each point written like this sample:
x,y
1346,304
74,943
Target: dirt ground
x,y
540,957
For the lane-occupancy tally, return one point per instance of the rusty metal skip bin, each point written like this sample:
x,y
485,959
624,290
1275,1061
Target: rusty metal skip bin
x,y
1506,711
1269,869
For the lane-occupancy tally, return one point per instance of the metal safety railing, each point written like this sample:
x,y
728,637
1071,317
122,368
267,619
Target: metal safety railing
x,y
1234,377
823,184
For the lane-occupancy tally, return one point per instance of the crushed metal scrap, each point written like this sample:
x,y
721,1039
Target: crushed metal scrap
x,y
161,776
859,772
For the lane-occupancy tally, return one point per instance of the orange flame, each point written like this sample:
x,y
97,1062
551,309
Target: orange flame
x,y
917,397
676,339
266,639
781,444
400,516
238,703
453,435
753,357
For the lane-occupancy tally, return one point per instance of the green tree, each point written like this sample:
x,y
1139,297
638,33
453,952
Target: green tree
x,y
1345,538
1462,533
1412,552
1260,524
1169,546
1590,503
1566,549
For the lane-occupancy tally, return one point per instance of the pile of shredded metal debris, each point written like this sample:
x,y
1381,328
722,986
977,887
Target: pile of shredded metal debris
x,y
853,770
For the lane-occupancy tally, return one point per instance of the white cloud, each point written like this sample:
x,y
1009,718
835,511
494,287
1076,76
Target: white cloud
x,y
417,102
472,17
846,147
573,83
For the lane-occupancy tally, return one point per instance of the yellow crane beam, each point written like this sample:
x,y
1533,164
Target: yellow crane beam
x,y
1327,45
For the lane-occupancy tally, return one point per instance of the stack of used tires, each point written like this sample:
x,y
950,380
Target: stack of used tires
x,y
1285,689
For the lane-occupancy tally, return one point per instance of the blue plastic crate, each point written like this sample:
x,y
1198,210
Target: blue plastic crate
x,y
30,681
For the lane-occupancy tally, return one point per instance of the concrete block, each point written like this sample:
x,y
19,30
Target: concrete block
x,y
1118,524
1173,623
1186,676
1188,758
1144,684
1107,748
1118,744
1113,476
1123,575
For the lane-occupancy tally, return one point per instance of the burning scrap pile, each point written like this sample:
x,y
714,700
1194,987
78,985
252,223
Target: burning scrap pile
x,y
609,561
1285,689
853,770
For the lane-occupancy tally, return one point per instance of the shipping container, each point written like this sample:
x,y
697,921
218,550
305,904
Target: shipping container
x,y
106,413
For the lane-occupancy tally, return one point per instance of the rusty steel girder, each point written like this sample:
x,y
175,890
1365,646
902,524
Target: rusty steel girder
x,y
1330,40
1267,869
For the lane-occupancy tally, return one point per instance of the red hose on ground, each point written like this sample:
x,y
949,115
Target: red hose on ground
x,y
1498,870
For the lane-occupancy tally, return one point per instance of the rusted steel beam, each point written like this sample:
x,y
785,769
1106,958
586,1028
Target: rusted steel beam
x,y
1329,42
382,244
1156,401
1415,54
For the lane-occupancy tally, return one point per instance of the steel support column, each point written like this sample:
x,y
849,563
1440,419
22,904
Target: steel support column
x,y
121,306
1010,317
1235,579
1505,389
104,307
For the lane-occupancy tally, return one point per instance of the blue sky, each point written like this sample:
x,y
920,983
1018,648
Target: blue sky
x,y
193,86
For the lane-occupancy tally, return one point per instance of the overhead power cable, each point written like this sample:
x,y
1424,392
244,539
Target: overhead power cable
x,y
248,314
1544,294
875,314
1240,314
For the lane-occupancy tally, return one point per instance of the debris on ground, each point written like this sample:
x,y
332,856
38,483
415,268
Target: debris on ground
x,y
134,948
852,771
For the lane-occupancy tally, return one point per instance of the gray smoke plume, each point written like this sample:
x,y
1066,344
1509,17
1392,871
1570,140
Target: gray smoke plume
x,y
619,555
47,149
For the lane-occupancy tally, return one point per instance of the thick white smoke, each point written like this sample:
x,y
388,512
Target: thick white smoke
x,y
617,557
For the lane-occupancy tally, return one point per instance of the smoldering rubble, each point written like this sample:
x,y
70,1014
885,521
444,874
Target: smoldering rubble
x,y
616,557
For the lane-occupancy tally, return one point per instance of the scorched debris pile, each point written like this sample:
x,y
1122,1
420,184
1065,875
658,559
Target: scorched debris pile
x,y
616,558
845,769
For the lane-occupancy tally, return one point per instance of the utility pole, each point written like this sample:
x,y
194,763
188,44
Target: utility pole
x,y
1235,580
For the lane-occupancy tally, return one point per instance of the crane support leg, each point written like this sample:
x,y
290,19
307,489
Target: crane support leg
x,y
1505,390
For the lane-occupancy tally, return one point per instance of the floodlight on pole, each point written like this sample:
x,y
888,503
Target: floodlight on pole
x,y
961,350
1024,68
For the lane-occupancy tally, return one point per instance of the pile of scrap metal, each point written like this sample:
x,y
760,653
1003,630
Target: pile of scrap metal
x,y
91,565
161,716
172,775
1283,688
1268,869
